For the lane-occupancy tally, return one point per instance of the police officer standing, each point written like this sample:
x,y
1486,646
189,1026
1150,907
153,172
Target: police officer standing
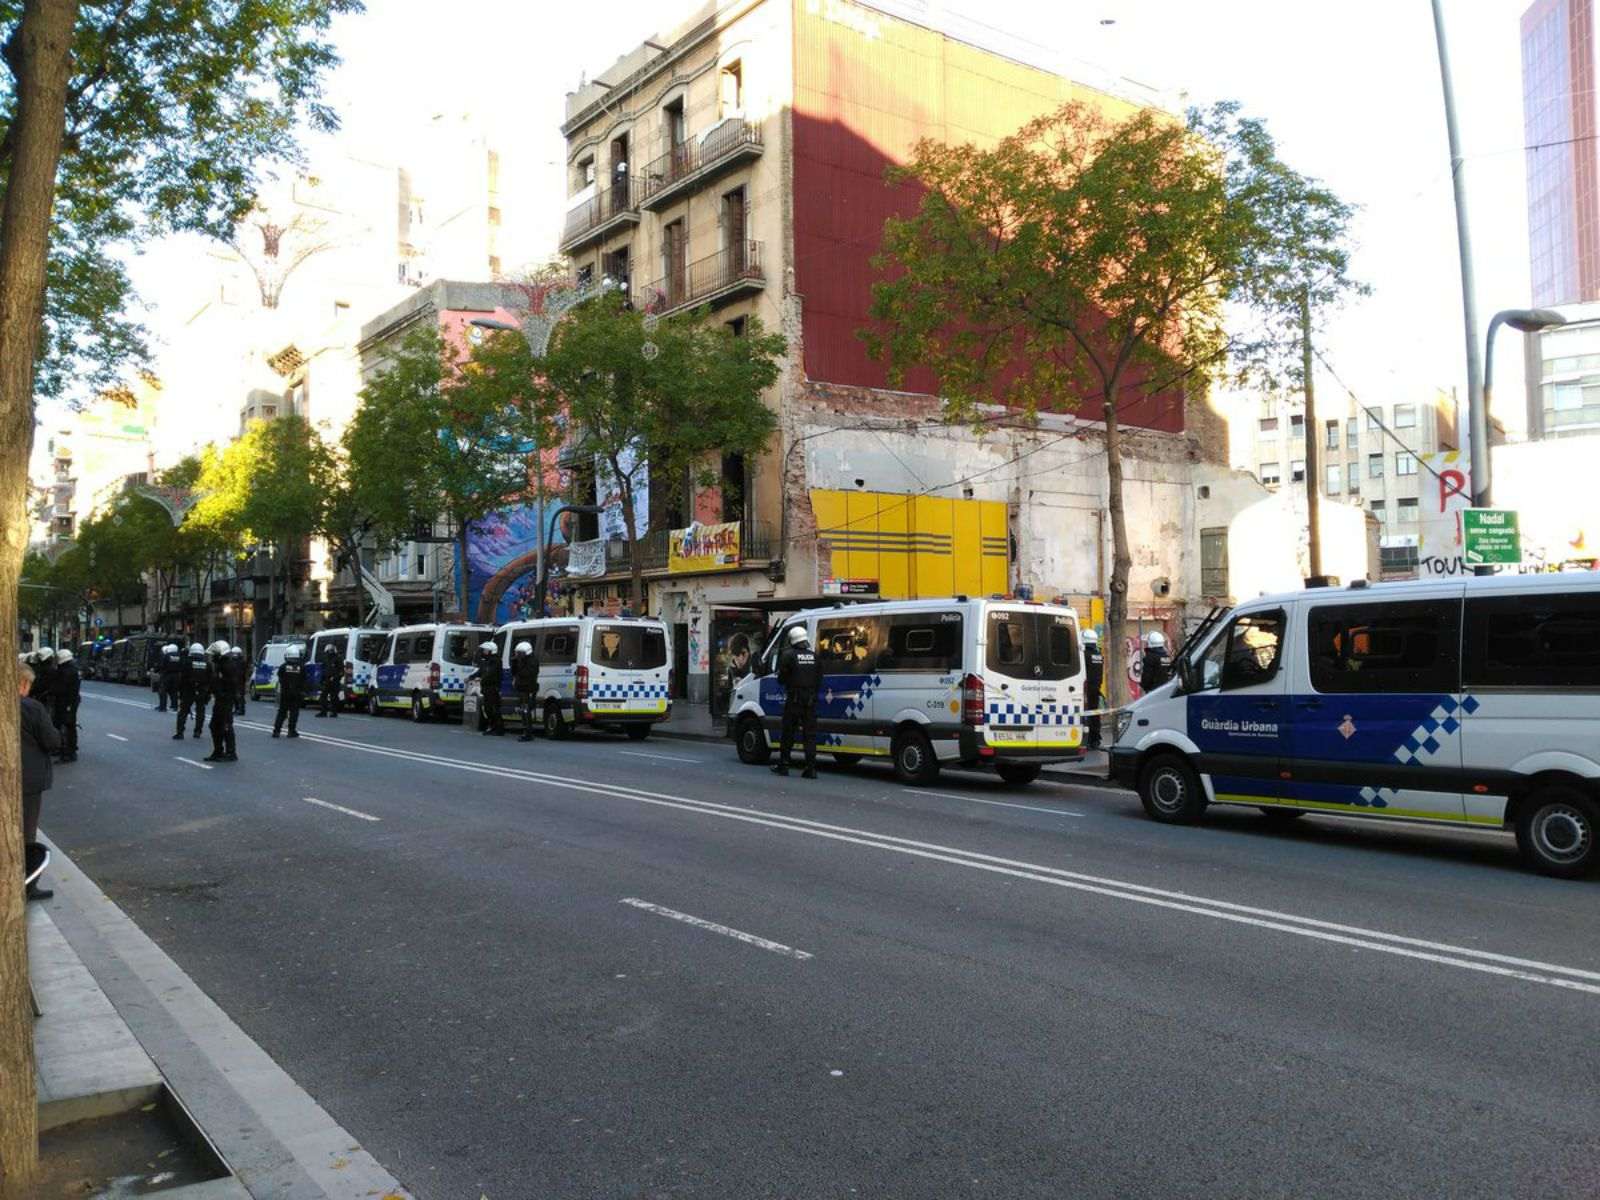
x,y
194,689
332,664
222,687
797,671
171,675
291,691
525,679
1094,678
240,678
44,674
65,691
1155,667
490,673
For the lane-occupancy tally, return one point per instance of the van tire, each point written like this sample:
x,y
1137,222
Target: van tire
x,y
419,714
1170,791
637,733
554,726
751,743
1018,773
1558,832
846,760
913,758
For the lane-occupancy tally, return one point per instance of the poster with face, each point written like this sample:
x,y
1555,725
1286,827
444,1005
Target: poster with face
x,y
737,638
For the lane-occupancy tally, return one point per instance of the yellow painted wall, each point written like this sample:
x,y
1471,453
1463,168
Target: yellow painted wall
x,y
914,546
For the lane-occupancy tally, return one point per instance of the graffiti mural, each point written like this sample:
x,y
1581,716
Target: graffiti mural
x,y
502,552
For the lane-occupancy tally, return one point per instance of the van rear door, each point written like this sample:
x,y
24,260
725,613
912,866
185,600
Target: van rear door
x,y
1032,677
628,668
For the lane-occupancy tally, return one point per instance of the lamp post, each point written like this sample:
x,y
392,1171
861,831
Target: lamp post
x,y
1523,320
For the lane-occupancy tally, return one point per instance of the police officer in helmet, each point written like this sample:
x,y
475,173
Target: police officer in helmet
x,y
1094,678
291,691
171,675
44,674
241,676
1155,667
332,663
490,673
65,691
194,689
525,680
222,688
797,671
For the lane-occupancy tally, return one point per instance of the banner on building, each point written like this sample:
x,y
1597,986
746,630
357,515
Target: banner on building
x,y
586,560
703,548
608,494
1445,492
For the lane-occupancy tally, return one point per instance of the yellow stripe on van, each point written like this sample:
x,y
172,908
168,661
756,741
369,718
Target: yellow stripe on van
x,y
1416,814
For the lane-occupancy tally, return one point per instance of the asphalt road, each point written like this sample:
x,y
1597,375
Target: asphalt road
x,y
603,968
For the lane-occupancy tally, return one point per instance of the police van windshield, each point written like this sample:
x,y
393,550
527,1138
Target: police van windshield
x,y
460,645
629,647
1032,645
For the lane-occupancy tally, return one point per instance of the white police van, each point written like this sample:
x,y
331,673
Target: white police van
x,y
1471,702
361,650
976,683
423,669
264,678
594,672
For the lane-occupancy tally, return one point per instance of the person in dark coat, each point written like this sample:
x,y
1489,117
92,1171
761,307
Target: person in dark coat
x,y
490,675
194,689
170,675
797,671
525,680
291,691
332,663
1155,667
65,693
1094,678
222,689
241,678
39,742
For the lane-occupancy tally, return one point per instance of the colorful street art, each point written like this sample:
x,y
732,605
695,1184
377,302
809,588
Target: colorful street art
x,y
502,552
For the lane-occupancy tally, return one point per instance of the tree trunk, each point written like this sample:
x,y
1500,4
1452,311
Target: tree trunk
x,y
44,43
1121,557
635,550
461,587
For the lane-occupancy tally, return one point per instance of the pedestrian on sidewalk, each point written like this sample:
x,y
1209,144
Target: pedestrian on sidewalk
x,y
39,742
1094,678
65,695
797,671
525,679
291,691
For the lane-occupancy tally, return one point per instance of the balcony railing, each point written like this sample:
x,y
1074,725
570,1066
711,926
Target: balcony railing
x,y
757,543
719,279
604,211
689,163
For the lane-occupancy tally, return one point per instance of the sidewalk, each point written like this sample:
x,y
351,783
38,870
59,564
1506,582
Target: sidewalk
x,y
130,1052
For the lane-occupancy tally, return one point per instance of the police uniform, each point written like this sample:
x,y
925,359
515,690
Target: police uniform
x,y
525,679
222,695
171,678
332,664
291,693
1094,678
797,671
1155,668
194,689
490,673
65,691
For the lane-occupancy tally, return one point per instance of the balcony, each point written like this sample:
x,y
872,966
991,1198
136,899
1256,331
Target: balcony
x,y
685,167
601,215
717,280
758,542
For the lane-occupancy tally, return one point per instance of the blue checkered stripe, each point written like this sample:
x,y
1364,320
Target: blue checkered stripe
x,y
1423,742
1009,712
628,691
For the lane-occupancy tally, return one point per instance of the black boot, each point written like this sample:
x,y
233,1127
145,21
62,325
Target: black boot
x,y
780,768
809,773
274,731
178,737
230,747
35,892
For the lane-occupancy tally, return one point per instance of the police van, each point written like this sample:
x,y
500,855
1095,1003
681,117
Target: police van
x,y
928,683
264,678
423,669
1472,703
360,650
594,672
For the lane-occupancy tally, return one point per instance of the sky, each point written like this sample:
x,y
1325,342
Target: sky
x,y
1350,90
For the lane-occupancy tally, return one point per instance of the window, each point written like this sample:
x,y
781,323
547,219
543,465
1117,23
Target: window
x,y
1297,471
1381,511
630,647
585,275
734,228
1333,435
1397,559
402,649
461,645
1374,421
1352,476
558,646
736,326
675,261
1352,437
585,172
1270,474
1534,641
1333,477
732,487
339,643
1407,647
1405,463
1297,425
1374,466
421,647
1214,561
1407,511
733,89
1243,655
847,645
1269,424
923,642
1405,416
1032,645
677,132
370,647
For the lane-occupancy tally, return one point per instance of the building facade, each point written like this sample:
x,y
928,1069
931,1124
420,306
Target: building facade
x,y
1563,375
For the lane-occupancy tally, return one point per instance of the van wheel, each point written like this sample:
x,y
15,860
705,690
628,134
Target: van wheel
x,y
554,726
913,758
847,760
1170,791
752,743
1018,773
637,733
419,714
1558,832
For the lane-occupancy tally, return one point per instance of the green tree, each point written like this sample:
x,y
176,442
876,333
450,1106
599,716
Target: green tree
x,y
1086,261
658,397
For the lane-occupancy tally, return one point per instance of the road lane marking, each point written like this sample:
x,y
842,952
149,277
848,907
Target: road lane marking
x,y
662,757
116,700
116,737
191,762
1054,812
737,935
349,812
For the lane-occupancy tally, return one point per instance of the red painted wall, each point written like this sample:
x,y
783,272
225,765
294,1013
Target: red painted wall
x,y
866,88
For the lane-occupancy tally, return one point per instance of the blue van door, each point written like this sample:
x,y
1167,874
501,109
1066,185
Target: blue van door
x,y
1237,714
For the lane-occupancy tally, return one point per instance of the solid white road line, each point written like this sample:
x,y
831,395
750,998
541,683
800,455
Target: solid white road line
x,y
191,762
662,757
118,700
349,812
116,737
1054,812
737,935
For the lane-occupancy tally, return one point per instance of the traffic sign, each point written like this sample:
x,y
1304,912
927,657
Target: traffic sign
x,y
1489,536
99,622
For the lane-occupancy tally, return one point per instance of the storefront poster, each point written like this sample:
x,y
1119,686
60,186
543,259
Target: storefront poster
x,y
738,636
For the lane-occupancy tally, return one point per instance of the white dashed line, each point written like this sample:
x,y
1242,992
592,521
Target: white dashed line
x,y
349,812
191,762
1054,812
737,935
662,757
116,737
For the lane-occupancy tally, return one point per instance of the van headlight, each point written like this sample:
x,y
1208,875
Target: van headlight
x,y
1123,720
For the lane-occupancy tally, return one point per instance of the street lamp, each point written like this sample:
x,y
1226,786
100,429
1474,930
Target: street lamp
x,y
1524,320
544,555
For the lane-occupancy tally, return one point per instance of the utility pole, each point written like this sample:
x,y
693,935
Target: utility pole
x,y
1313,483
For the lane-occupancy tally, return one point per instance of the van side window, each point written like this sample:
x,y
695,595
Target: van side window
x,y
421,647
402,648
371,647
847,645
923,642
559,647
1530,641
1254,645
1402,647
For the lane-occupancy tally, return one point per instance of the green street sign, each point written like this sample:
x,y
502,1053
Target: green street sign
x,y
1489,537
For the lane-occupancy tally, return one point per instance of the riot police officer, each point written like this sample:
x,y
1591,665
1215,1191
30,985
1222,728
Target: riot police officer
x,y
797,671
1094,678
222,691
65,691
194,689
525,679
44,674
332,664
490,673
241,678
1155,667
171,675
291,691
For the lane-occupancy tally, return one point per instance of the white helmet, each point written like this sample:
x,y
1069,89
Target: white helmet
x,y
218,647
1156,640
487,648
43,653
196,648
236,651
797,634
292,652
169,648
524,648
1091,637
63,656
